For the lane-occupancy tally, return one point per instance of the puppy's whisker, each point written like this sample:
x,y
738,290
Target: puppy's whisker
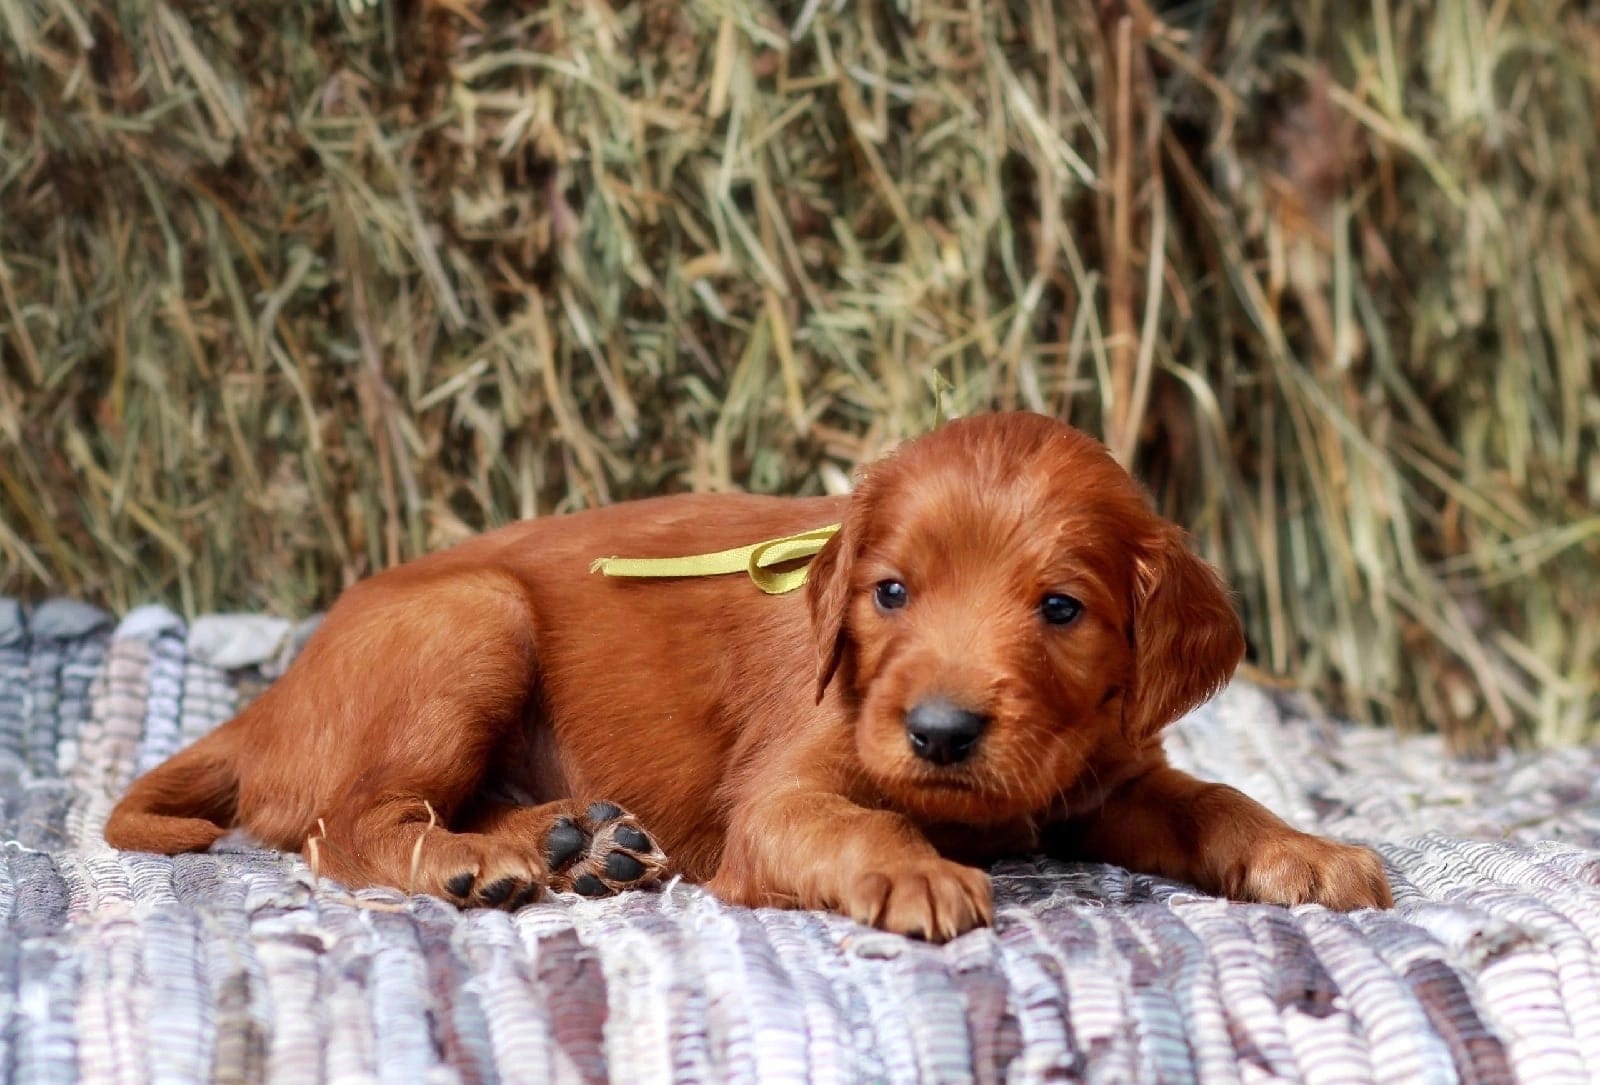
x,y
1012,781
1088,768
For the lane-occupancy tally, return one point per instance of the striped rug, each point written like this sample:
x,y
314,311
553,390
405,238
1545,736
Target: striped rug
x,y
237,966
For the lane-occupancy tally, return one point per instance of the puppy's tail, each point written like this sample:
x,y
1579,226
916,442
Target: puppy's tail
x,y
183,804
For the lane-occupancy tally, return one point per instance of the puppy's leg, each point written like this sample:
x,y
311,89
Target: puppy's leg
x,y
595,849
820,850
1220,840
409,696
403,842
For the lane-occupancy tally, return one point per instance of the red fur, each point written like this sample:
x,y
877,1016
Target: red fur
x,y
447,712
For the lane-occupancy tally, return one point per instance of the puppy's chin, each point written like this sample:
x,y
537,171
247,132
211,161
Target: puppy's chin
x,y
990,789
953,798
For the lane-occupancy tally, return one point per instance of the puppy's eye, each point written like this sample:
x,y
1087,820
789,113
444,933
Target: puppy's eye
x,y
1060,609
890,595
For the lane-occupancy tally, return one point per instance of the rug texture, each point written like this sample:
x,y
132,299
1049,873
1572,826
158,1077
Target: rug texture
x,y
238,966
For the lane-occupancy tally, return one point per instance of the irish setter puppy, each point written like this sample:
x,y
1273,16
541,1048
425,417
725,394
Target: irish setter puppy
x,y
981,663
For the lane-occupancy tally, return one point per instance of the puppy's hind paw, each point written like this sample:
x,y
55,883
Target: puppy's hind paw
x,y
473,871
600,851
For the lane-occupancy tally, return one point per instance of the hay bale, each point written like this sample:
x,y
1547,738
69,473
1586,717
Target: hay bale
x,y
292,291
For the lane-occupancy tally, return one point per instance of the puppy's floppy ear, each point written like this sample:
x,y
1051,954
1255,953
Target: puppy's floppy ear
x,y
1187,639
828,585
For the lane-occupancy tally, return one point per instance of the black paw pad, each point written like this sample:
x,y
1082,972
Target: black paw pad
x,y
621,867
460,885
497,893
588,885
602,812
563,843
628,837
526,897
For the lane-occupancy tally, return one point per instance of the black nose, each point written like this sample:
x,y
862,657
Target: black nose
x,y
942,732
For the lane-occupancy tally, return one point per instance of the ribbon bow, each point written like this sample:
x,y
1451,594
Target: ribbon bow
x,y
756,560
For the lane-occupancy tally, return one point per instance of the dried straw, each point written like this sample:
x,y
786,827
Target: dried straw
x,y
292,291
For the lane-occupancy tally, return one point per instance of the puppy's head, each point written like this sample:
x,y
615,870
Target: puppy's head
x,y
1000,604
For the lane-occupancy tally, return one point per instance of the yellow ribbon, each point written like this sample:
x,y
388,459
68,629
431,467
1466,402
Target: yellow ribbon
x,y
756,560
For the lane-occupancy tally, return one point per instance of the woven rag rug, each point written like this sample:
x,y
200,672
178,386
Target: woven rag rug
x,y
239,966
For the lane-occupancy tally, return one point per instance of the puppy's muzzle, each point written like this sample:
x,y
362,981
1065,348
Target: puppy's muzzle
x,y
943,732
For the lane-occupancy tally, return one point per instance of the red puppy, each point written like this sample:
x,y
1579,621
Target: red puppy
x,y
981,663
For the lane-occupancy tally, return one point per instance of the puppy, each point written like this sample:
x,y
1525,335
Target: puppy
x,y
981,663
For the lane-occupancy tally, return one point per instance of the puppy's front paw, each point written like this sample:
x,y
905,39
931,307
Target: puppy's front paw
x,y
934,899
1304,869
